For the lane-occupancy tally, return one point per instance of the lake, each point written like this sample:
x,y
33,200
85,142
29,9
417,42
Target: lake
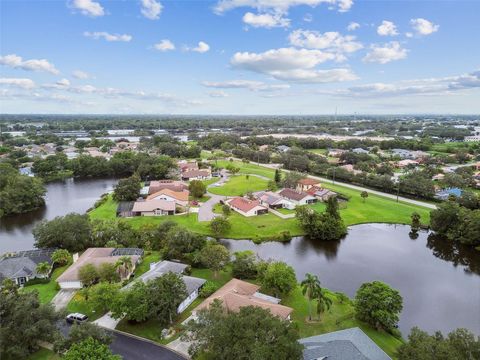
x,y
440,285
62,198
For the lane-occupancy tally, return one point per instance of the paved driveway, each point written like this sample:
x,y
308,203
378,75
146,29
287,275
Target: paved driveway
x,y
205,211
63,297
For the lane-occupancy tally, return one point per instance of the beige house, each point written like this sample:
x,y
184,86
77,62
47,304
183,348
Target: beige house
x,y
153,208
178,197
246,207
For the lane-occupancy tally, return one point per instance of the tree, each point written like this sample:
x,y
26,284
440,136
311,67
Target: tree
x,y
24,321
321,226
197,189
279,278
251,333
364,195
342,298
125,265
88,274
79,333
277,177
310,288
291,179
134,303
102,295
108,272
43,268
332,207
415,221
71,232
127,189
61,257
378,304
90,349
244,266
460,344
226,210
214,257
180,241
323,301
220,226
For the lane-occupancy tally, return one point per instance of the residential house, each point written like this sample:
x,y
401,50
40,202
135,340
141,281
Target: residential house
x,y
187,166
272,200
360,151
70,279
125,209
336,152
297,197
246,207
203,174
263,147
283,148
22,266
345,344
157,185
153,208
178,197
160,268
307,183
407,163
236,294
351,169
321,193
403,153
438,177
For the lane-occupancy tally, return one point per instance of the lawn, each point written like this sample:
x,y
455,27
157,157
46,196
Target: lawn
x,y
144,266
339,317
78,304
248,168
285,211
240,185
46,292
43,354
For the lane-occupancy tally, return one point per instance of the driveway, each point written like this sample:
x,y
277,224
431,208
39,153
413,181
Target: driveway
x,y
63,297
205,211
107,322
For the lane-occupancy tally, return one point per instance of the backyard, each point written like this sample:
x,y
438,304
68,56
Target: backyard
x,y
239,185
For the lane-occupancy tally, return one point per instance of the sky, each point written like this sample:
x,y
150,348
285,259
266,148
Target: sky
x,y
240,57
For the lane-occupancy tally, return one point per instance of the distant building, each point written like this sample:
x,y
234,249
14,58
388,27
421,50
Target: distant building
x,y
22,266
360,151
203,174
307,183
283,148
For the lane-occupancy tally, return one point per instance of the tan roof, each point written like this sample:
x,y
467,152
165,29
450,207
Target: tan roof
x,y
95,256
173,185
308,181
179,195
293,194
151,205
194,173
236,294
243,204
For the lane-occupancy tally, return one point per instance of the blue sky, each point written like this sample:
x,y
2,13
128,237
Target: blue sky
x,y
239,56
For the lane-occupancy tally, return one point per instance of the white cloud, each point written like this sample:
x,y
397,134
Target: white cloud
x,y
17,62
308,17
88,7
353,26
151,9
245,84
202,47
22,83
107,36
330,41
279,6
265,20
290,64
61,84
385,53
423,26
79,74
387,28
218,94
164,45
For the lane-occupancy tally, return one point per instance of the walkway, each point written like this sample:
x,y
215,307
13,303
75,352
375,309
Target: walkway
x,y
63,297
106,321
205,211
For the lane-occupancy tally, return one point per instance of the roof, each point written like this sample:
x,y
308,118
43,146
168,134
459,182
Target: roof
x,y
268,197
308,181
237,293
96,256
195,173
173,185
351,344
23,263
293,194
178,195
152,205
243,204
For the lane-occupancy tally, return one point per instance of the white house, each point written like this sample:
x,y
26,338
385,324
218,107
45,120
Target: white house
x,y
246,207
297,197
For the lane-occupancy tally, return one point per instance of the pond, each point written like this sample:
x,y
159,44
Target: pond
x,y
440,284
62,198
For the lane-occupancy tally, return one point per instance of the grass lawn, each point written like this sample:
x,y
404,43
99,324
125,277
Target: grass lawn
x,y
79,305
318,206
339,317
210,181
46,292
43,354
248,168
144,266
240,185
285,211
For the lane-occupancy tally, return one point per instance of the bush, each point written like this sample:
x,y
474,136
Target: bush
x,y
37,281
208,289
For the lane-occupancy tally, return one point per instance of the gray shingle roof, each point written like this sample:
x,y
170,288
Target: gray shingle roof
x,y
23,263
349,344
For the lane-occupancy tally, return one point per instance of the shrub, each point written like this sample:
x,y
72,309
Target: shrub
x,y
208,289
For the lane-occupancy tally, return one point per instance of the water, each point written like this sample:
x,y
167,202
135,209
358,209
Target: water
x,y
62,198
440,285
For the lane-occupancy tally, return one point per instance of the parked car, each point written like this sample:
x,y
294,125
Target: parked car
x,y
76,318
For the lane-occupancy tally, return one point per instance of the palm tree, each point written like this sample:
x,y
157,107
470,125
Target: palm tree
x,y
43,268
310,288
323,302
125,263
61,256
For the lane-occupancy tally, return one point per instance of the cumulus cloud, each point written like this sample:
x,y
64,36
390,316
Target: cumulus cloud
x,y
22,83
88,7
151,9
291,64
164,45
107,36
353,26
329,41
202,47
79,74
60,84
245,84
423,26
386,53
218,94
387,28
279,6
265,20
16,62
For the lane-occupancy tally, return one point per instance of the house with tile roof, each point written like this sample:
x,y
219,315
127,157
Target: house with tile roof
x,y
307,183
178,197
157,185
236,294
246,207
22,266
272,200
201,174
297,197
158,207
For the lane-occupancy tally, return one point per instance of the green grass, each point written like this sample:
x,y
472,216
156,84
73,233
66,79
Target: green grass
x,y
240,185
339,317
43,354
222,278
248,168
210,181
318,206
79,305
46,292
285,211
144,266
